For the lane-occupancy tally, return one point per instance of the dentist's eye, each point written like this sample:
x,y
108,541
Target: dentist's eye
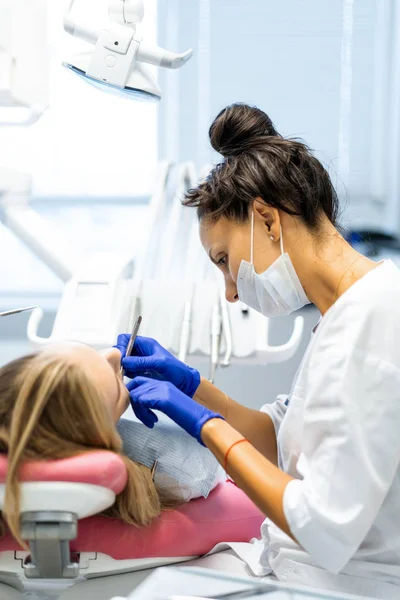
x,y
222,260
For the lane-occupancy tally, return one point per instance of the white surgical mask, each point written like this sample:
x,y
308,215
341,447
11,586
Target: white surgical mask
x,y
277,291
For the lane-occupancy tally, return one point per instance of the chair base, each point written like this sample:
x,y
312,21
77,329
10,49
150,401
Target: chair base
x,y
92,565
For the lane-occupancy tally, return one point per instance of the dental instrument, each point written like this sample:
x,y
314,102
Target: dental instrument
x,y
132,340
216,332
227,329
16,311
116,64
184,341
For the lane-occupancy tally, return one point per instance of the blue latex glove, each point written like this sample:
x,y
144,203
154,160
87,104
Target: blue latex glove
x,y
147,395
151,359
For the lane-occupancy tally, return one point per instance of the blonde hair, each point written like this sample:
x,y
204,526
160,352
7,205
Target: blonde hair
x,y
51,409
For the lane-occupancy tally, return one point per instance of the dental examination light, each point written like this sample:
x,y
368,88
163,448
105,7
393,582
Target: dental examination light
x,y
117,62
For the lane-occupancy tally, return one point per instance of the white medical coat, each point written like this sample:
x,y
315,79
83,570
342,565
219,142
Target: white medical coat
x,y
339,437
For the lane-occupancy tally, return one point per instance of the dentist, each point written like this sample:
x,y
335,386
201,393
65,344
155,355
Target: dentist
x,y
324,467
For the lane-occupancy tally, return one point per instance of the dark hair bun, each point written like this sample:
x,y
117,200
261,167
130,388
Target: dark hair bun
x,y
238,126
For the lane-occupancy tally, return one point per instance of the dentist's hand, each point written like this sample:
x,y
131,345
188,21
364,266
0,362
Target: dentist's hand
x,y
147,395
150,358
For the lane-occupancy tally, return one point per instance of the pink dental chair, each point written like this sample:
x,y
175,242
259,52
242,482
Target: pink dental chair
x,y
75,552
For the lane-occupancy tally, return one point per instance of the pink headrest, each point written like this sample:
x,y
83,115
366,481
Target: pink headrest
x,y
99,467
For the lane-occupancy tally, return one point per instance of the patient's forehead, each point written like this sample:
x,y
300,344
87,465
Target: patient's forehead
x,y
73,350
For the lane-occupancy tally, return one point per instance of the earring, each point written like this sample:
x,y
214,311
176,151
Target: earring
x,y
271,237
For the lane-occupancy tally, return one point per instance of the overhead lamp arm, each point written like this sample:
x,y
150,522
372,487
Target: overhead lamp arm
x,y
154,55
126,14
77,30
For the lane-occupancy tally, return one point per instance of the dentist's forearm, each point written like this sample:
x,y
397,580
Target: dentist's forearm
x,y
261,481
254,425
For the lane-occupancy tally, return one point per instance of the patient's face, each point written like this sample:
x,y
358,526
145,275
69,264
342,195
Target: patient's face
x,y
118,400
104,368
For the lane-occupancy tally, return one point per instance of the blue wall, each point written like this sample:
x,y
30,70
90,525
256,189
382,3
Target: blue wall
x,y
321,70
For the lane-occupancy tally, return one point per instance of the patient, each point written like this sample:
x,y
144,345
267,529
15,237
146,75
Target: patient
x,y
60,402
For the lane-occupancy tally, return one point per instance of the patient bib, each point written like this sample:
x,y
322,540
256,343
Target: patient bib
x,y
184,467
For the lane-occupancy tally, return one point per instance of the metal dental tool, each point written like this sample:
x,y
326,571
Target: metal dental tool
x,y
185,331
132,340
226,326
216,331
15,311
